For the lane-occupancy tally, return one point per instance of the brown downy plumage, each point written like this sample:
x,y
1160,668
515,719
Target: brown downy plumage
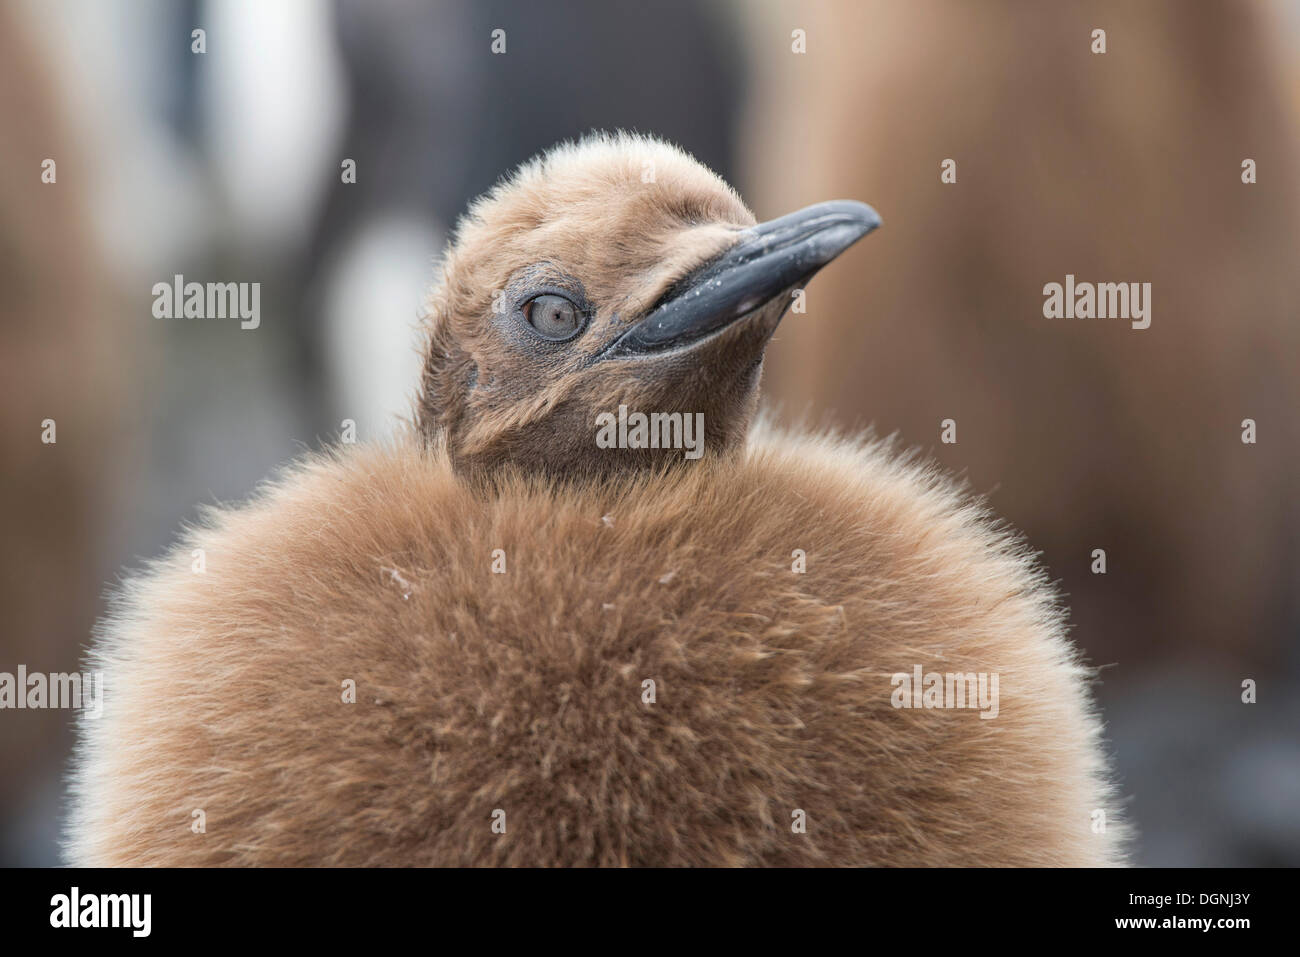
x,y
566,654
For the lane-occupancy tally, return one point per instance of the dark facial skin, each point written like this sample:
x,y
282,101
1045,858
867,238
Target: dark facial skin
x,y
717,377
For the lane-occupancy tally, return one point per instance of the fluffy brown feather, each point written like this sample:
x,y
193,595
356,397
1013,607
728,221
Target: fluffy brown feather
x,y
523,691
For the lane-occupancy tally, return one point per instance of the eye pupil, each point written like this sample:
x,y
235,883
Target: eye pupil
x,y
554,317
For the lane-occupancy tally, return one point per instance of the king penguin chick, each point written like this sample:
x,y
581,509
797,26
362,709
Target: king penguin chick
x,y
500,641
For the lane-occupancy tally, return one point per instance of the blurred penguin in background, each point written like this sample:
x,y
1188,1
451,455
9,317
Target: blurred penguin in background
x,y
62,366
1123,166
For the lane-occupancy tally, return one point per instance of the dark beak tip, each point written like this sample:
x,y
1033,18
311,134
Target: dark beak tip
x,y
861,211
864,217
836,225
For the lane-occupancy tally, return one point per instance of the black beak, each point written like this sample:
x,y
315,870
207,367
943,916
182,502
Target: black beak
x,y
770,259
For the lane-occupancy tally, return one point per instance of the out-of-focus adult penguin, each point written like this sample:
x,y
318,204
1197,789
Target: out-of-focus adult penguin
x,y
532,633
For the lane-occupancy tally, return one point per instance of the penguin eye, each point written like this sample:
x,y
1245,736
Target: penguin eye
x,y
554,317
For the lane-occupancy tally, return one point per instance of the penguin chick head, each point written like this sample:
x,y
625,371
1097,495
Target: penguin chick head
x,y
617,272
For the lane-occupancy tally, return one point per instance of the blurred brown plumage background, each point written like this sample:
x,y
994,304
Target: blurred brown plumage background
x,y
1085,434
